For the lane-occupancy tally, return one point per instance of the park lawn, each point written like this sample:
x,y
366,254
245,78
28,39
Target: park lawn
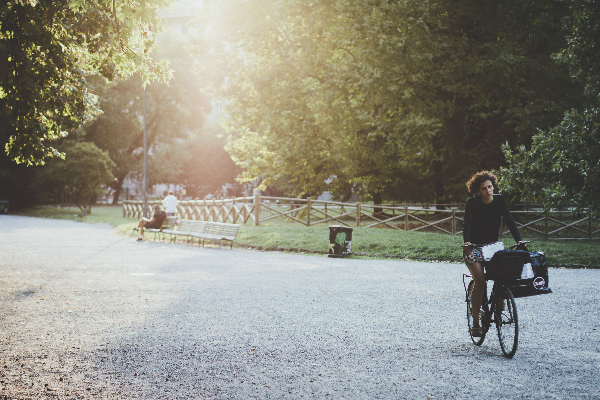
x,y
112,215
378,243
392,243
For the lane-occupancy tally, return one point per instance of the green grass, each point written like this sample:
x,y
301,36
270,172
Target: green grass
x,y
366,242
100,214
392,243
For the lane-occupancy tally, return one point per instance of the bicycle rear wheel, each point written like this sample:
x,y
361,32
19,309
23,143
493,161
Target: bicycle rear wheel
x,y
507,322
478,341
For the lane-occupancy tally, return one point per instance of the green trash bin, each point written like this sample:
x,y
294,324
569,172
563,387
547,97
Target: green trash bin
x,y
340,241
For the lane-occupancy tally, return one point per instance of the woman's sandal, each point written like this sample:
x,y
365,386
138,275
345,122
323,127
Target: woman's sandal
x,y
476,331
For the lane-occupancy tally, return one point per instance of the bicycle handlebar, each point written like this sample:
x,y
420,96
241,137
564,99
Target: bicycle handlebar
x,y
522,242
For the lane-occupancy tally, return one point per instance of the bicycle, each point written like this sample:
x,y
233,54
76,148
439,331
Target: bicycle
x,y
500,308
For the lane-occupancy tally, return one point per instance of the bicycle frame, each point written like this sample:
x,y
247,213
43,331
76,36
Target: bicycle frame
x,y
499,308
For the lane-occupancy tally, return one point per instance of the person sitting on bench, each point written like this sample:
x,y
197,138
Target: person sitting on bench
x,y
154,223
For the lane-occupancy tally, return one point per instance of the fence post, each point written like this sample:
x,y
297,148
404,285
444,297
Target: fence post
x,y
308,206
325,208
244,211
546,224
234,217
357,214
453,221
427,212
256,209
406,217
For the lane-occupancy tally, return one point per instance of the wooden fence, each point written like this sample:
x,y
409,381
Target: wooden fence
x,y
408,217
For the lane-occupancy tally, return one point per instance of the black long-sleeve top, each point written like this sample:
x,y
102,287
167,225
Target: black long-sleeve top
x,y
482,221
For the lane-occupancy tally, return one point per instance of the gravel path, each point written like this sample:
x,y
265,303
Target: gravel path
x,y
88,314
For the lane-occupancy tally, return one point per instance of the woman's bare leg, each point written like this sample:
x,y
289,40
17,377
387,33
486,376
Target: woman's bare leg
x,y
141,227
476,296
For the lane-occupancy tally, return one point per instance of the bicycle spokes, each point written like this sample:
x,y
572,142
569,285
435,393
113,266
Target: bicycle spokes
x,y
507,322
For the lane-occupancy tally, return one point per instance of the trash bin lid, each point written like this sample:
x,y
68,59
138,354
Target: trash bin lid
x,y
340,226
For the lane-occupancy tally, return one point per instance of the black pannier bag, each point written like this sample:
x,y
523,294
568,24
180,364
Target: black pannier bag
x,y
507,265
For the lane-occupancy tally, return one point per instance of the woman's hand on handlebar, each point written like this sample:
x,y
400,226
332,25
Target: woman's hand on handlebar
x,y
468,244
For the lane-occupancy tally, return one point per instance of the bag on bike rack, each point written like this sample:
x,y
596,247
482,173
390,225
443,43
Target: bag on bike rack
x,y
511,265
507,264
539,283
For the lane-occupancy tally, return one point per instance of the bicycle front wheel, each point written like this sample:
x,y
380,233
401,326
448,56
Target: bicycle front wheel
x,y
478,341
507,322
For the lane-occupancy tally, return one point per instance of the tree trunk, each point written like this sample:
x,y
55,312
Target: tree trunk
x,y
119,185
377,200
438,173
116,196
438,182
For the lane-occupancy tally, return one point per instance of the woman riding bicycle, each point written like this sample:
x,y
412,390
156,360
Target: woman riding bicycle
x,y
483,213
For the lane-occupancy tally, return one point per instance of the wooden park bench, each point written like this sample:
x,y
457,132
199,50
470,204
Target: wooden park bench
x,y
206,230
186,227
217,232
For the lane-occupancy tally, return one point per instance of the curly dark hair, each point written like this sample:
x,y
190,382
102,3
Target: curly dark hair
x,y
475,182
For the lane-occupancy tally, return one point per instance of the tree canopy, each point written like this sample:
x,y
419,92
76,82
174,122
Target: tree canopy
x,y
394,99
397,100
183,146
48,50
175,113
82,175
562,166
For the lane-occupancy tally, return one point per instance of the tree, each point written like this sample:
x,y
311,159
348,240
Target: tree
x,y
581,55
82,175
381,96
175,112
308,101
562,166
206,166
14,178
118,130
497,83
48,50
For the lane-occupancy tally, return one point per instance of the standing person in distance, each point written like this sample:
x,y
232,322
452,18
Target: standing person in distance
x,y
483,213
170,204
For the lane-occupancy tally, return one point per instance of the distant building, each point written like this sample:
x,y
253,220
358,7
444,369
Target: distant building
x,y
177,17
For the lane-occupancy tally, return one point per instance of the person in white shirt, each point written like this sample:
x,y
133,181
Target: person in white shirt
x,y
170,204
